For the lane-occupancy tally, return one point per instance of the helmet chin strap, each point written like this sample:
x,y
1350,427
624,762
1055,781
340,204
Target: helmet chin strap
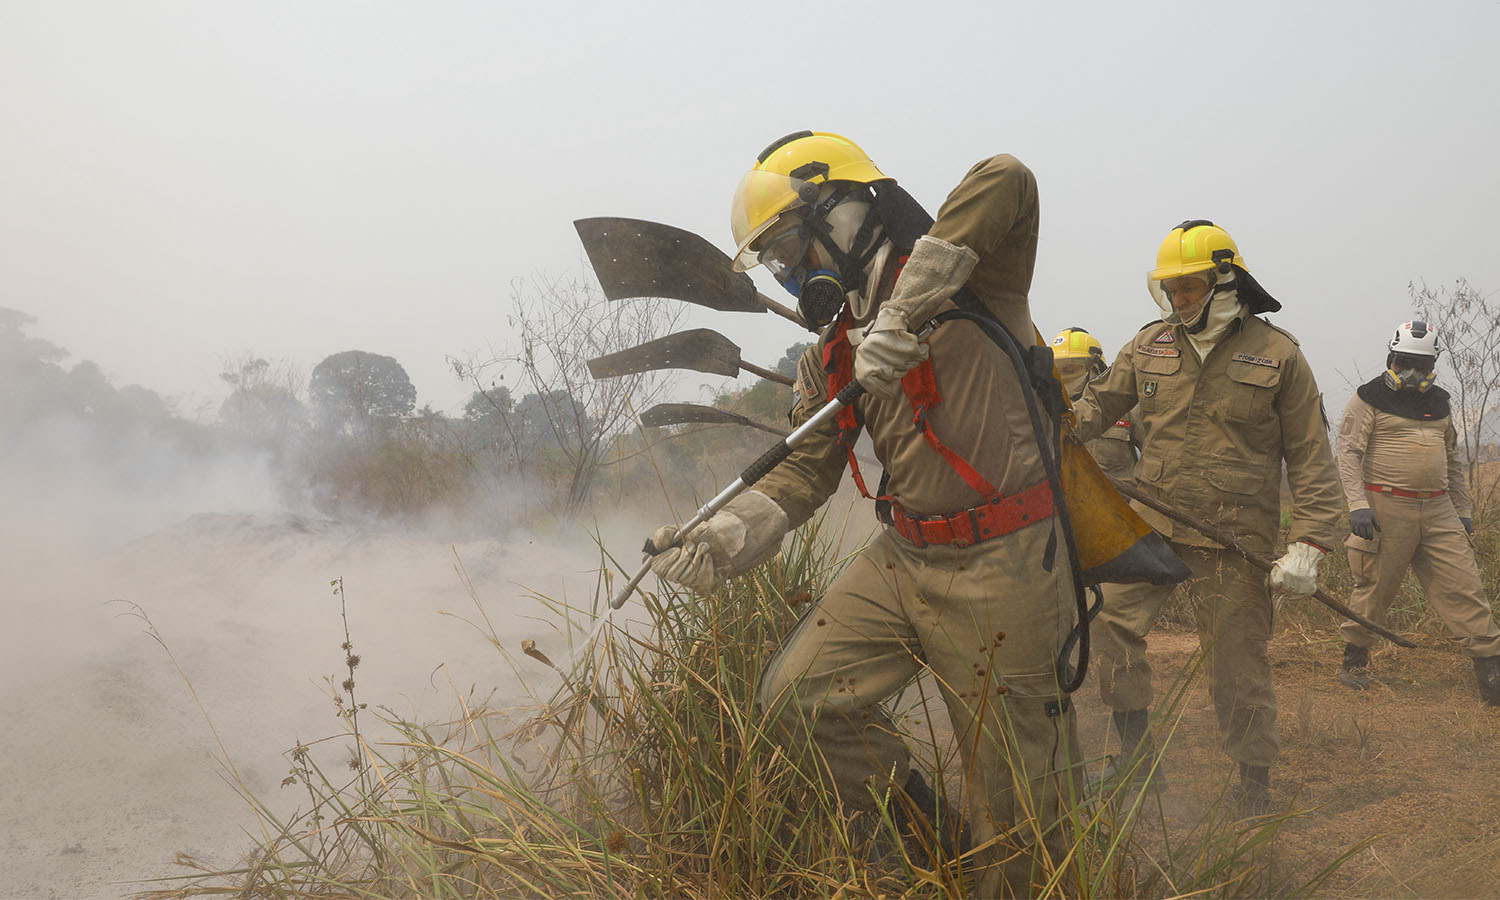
x,y
1200,322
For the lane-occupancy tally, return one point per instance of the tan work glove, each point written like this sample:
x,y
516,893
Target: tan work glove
x,y
933,272
736,539
1296,572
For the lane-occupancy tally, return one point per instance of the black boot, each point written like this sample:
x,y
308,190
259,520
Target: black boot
x,y
1133,763
1255,790
1487,673
925,822
1356,670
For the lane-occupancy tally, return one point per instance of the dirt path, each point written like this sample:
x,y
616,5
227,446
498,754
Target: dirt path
x,y
1412,764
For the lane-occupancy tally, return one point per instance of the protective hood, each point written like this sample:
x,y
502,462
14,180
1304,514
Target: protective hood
x,y
1251,295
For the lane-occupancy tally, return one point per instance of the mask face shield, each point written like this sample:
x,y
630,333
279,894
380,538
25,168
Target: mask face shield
x,y
1075,374
1181,298
760,202
782,254
1410,372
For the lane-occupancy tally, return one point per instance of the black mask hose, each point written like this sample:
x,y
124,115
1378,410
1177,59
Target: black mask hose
x,y
1049,442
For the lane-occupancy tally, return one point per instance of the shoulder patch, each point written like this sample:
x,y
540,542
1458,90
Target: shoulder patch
x,y
1257,360
809,379
1150,350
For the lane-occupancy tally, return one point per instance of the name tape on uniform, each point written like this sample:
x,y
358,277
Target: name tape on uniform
x,y
1257,360
1158,351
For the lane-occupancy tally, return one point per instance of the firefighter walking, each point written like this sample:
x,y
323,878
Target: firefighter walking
x,y
1409,507
1223,398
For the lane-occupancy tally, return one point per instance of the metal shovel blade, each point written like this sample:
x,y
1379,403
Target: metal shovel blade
x,y
636,258
663,414
700,349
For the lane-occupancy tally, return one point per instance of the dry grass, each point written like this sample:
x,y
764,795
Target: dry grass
x,y
654,776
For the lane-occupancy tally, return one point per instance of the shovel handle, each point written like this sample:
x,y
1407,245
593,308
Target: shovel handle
x,y
785,312
1255,559
767,374
753,473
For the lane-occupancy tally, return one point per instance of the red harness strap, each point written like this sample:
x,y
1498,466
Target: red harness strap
x,y
838,362
920,387
993,518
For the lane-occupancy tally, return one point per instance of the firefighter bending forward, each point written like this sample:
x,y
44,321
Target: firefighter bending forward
x,y
961,581
1223,397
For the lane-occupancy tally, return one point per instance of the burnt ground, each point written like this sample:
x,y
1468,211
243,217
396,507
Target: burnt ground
x,y
1410,766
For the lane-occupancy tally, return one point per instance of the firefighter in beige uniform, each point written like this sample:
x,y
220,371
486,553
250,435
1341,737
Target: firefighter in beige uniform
x,y
1080,359
1409,507
963,583
1224,397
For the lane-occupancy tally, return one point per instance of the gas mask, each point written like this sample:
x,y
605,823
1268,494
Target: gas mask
x,y
1409,372
822,257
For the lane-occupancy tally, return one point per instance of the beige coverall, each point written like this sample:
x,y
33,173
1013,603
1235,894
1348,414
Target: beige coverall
x,y
1418,456
987,619
1215,434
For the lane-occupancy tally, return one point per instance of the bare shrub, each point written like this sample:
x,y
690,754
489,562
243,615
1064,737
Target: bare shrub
x,y
1467,321
565,419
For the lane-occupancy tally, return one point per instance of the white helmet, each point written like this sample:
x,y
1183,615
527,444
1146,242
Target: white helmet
x,y
1416,339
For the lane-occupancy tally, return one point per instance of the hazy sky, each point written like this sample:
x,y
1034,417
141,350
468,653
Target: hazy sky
x,y
182,182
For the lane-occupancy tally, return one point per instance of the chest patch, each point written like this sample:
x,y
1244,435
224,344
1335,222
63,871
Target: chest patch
x,y
1148,389
1257,360
1165,338
1158,351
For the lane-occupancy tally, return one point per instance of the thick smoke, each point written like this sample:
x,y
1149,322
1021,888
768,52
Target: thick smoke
x,y
112,504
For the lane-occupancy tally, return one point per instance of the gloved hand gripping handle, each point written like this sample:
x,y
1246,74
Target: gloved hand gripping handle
x,y
753,473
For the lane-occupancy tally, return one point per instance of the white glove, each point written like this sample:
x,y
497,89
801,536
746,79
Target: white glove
x,y
736,539
1296,573
886,353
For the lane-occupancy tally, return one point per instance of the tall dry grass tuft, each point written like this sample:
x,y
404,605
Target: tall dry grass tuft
x,y
650,772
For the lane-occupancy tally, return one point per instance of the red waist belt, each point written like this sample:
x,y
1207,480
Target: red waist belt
x,y
989,520
1397,492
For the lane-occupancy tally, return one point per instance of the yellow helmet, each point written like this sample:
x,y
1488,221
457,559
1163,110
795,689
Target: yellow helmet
x,y
1196,245
1075,343
788,175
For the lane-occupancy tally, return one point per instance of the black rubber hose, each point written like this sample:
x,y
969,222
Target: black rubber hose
x,y
1051,462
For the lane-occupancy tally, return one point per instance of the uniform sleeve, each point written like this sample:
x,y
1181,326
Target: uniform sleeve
x,y
1107,398
983,211
809,476
1354,439
1318,515
1458,476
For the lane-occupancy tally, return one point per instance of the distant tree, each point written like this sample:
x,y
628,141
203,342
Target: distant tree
x,y
262,404
489,408
788,364
561,326
1467,322
356,392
